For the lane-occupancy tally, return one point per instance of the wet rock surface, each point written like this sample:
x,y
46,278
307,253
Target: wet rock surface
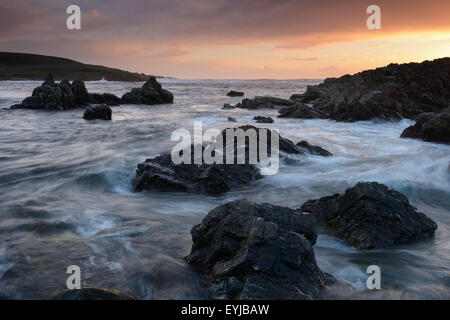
x,y
162,174
391,93
432,127
264,102
371,216
258,251
314,150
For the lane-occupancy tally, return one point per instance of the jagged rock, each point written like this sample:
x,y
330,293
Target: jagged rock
x,y
102,112
314,150
434,127
261,119
92,294
63,96
391,93
162,174
80,92
105,98
150,93
258,251
371,216
301,111
235,94
263,102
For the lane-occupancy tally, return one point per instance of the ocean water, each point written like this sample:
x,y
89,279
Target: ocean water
x,y
66,196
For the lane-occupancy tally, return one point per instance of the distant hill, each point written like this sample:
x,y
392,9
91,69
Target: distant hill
x,y
24,66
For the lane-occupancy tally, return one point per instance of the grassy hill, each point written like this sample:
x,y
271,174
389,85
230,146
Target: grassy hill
x,y
24,66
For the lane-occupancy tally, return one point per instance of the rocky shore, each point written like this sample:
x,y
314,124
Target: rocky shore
x,y
433,127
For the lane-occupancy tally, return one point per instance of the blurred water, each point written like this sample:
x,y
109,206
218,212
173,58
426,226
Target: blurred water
x,y
66,196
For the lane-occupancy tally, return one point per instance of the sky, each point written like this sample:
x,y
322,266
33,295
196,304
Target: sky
x,y
230,39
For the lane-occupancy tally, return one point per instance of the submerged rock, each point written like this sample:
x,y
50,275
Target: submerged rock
x,y
150,93
263,102
391,93
258,251
92,294
371,216
231,119
227,106
102,112
233,93
433,127
261,119
314,150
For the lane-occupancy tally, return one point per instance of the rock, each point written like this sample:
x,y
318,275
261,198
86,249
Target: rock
x,y
102,112
162,174
263,102
63,96
260,119
433,127
231,119
371,216
235,94
228,106
150,93
80,92
301,111
105,98
258,251
314,150
390,93
92,294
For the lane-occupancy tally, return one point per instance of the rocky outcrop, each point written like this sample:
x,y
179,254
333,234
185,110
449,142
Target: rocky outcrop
x,y
371,216
53,96
433,127
261,119
92,294
150,93
314,150
233,93
64,96
258,251
161,173
102,112
393,92
263,102
301,111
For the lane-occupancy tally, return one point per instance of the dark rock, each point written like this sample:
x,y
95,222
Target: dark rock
x,y
80,92
231,119
102,112
301,111
433,127
258,251
262,102
228,106
314,150
92,294
371,216
162,174
261,119
150,93
391,93
235,94
105,98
